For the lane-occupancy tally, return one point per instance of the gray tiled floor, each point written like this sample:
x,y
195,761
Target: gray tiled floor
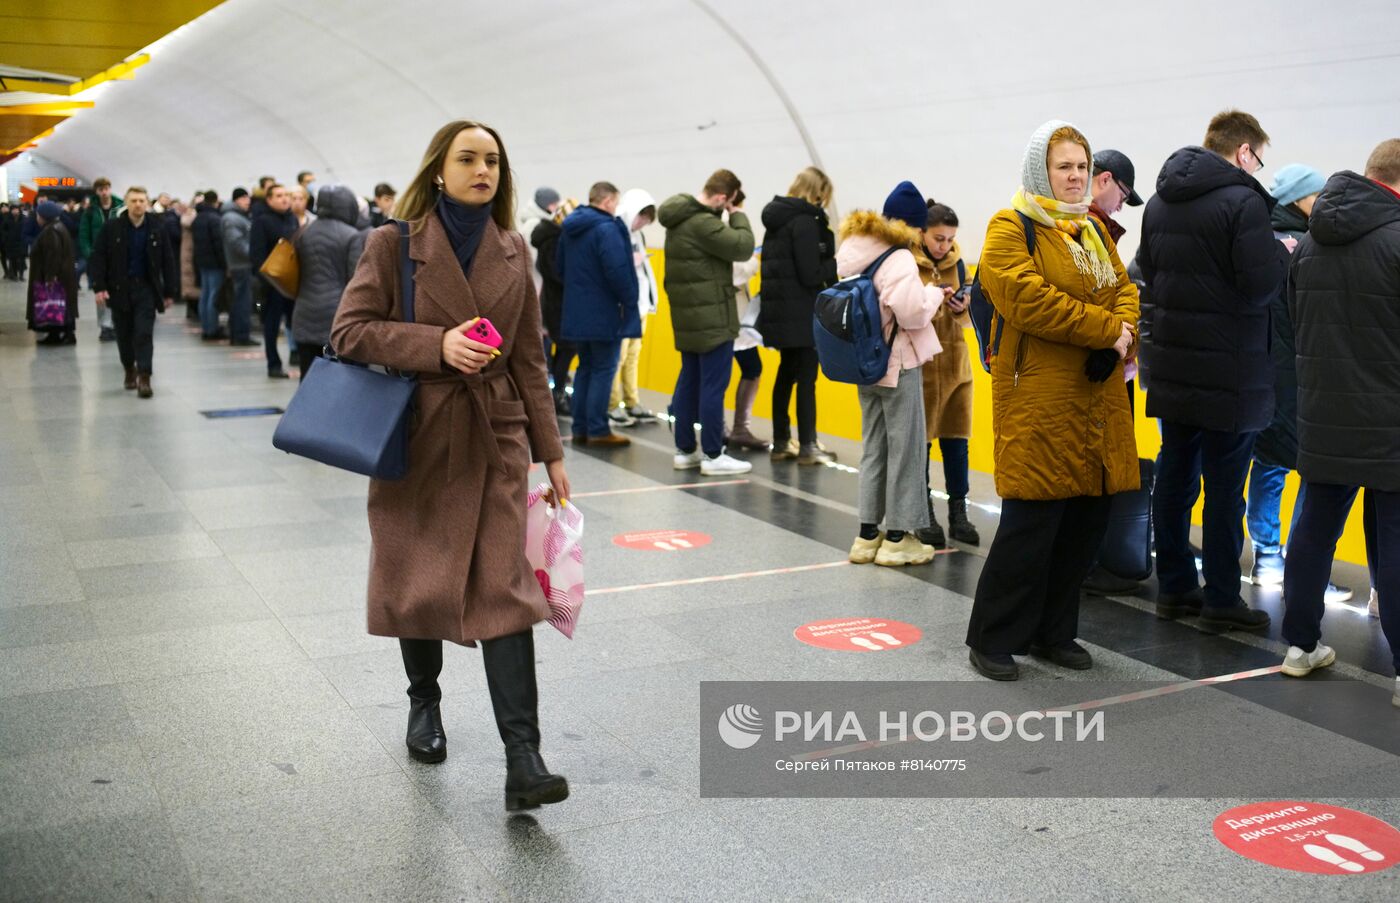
x,y
190,708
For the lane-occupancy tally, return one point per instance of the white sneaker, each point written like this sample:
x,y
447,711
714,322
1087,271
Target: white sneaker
x,y
1373,608
620,417
1298,663
724,466
683,461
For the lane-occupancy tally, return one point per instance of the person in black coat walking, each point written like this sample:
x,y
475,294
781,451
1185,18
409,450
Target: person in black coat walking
x,y
1344,296
136,274
275,222
209,261
1213,266
798,261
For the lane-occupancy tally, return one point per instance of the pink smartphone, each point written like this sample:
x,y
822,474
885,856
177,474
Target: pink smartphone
x,y
483,332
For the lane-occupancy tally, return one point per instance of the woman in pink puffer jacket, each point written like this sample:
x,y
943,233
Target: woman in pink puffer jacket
x,y
893,449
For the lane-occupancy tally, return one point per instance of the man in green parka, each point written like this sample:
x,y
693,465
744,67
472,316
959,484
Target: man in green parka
x,y
701,250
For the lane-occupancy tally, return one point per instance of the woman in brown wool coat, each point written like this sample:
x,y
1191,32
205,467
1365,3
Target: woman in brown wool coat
x,y
948,377
447,560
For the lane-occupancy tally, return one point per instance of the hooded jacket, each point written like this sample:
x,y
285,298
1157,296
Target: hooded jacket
x,y
701,250
594,260
633,202
328,250
1211,261
904,297
545,241
208,235
799,260
237,227
1344,296
1277,445
1057,434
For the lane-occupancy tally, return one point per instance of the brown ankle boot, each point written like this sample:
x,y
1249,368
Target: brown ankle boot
x,y
143,385
130,382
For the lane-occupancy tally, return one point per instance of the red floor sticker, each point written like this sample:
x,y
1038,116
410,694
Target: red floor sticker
x,y
1310,837
662,540
859,634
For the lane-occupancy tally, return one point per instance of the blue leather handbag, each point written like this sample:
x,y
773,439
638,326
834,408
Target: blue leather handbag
x,y
346,415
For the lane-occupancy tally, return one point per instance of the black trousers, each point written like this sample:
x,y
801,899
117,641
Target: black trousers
x,y
1029,589
797,368
306,353
135,322
560,362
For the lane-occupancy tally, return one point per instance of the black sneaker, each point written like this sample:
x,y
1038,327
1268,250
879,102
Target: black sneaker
x,y
1177,605
1068,654
108,334
996,666
1234,617
277,374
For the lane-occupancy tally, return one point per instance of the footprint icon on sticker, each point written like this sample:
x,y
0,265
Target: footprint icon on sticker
x,y
1356,846
1332,857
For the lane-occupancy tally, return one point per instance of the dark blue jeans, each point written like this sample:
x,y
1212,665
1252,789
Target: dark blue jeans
x,y
954,453
1189,457
276,309
597,365
210,282
699,396
1309,564
240,307
1261,513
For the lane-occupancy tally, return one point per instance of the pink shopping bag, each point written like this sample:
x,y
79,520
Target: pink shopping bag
x,y
554,548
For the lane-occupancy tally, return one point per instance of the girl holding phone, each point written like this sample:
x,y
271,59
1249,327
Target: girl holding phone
x,y
448,559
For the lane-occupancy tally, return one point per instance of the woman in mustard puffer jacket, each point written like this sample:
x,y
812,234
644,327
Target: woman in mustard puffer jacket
x,y
1060,414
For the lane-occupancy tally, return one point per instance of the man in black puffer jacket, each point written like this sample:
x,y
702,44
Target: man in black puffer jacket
x,y
1213,265
1345,300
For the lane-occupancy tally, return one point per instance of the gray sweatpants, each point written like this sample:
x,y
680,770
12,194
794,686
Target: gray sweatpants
x,y
893,457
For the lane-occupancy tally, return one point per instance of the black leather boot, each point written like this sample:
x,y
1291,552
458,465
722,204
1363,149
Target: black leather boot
x,y
510,676
959,527
932,535
422,662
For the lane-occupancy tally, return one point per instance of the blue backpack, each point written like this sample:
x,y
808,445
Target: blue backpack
x,y
980,309
851,344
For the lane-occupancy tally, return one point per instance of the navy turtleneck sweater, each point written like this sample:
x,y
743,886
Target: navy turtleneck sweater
x,y
465,224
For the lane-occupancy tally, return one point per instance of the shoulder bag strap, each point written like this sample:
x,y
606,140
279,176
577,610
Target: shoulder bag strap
x,y
405,273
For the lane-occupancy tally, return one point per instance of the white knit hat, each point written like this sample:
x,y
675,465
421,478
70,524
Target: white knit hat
x,y
1035,174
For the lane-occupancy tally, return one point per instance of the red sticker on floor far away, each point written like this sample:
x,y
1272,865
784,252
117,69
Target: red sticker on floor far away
x,y
859,634
662,540
1310,837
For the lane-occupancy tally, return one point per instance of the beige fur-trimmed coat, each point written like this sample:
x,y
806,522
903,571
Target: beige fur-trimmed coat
x,y
948,377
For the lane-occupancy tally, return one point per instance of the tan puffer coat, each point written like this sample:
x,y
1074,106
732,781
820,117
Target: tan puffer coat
x,y
1058,435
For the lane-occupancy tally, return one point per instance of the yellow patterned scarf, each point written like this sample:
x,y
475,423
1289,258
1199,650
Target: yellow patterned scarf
x,y
1090,255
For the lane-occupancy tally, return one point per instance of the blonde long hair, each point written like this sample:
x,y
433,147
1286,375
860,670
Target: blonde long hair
x,y
419,199
812,185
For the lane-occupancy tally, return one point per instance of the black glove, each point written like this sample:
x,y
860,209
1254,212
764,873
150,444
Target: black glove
x,y
1100,365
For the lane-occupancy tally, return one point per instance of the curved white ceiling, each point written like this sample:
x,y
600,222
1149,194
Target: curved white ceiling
x,y
657,95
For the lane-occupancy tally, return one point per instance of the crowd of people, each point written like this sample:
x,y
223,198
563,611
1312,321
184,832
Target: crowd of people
x,y
1263,324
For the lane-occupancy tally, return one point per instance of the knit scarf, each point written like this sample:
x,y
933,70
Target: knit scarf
x,y
1071,221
